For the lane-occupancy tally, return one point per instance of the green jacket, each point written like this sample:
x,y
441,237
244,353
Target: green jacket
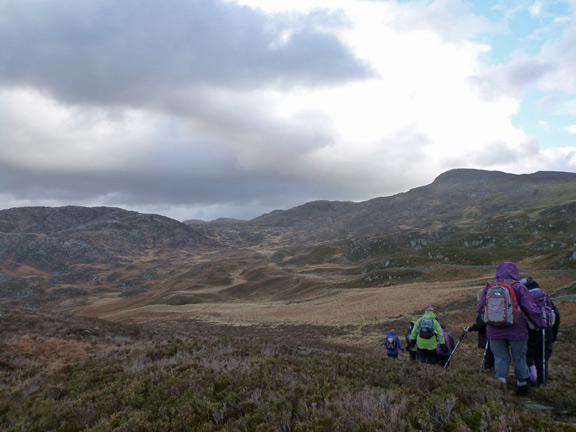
x,y
428,344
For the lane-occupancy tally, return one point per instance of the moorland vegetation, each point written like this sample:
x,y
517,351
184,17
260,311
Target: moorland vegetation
x,y
115,321
64,373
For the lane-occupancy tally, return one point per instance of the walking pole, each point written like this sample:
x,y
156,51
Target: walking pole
x,y
544,356
452,353
484,356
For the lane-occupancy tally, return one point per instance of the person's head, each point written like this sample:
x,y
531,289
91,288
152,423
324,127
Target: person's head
x,y
430,309
507,270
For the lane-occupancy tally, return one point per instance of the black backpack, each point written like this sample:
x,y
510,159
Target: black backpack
x,y
391,343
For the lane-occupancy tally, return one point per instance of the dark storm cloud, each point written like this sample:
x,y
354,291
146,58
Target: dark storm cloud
x,y
195,72
161,189
104,51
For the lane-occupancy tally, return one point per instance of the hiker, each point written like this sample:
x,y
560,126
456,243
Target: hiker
x,y
537,365
502,304
442,356
426,335
483,343
411,351
392,345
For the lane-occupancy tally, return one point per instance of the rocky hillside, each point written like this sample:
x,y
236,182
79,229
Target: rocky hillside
x,y
53,239
464,218
457,196
53,254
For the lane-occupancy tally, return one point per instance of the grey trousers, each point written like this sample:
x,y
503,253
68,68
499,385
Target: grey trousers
x,y
501,348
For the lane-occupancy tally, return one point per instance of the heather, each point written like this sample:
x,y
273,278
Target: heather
x,y
64,373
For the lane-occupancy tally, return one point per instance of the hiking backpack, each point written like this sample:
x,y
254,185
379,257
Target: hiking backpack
x,y
409,332
500,306
426,328
391,343
545,305
446,342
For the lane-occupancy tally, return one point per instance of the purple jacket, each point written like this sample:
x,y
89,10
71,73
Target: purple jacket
x,y
509,271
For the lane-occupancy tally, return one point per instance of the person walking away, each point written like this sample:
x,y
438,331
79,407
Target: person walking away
x,y
503,303
483,343
392,345
538,364
442,356
411,351
425,335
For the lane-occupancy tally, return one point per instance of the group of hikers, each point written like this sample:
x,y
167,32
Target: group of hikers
x,y
427,340
515,320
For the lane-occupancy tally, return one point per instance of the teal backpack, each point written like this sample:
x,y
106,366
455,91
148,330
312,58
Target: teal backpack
x,y
426,328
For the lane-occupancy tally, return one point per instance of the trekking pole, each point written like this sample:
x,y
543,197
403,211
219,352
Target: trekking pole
x,y
543,356
452,353
484,356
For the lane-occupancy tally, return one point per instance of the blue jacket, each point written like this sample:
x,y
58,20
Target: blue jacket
x,y
398,346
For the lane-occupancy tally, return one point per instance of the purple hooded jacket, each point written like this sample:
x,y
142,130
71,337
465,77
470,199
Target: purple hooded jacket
x,y
509,271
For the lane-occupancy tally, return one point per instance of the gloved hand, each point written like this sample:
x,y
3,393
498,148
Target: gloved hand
x,y
466,329
443,347
412,343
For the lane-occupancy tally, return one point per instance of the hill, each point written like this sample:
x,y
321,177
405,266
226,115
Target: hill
x,y
458,196
99,261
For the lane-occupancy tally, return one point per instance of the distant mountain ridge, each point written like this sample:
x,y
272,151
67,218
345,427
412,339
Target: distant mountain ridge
x,y
445,200
469,218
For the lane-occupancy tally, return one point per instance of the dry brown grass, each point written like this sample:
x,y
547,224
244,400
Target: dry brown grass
x,y
262,292
326,306
567,313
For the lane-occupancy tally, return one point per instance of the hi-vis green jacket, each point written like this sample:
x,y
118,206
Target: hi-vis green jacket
x,y
432,343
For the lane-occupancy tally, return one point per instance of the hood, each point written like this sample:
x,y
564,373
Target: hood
x,y
532,284
507,270
429,315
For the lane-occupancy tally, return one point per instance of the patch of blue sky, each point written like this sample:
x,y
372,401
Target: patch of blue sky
x,y
522,27
539,116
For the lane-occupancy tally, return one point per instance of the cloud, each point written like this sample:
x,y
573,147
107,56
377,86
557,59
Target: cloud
x,y
563,57
536,8
527,72
139,52
207,108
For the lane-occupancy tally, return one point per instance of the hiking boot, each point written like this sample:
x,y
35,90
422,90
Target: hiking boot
x,y
522,390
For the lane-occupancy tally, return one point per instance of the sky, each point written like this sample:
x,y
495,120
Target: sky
x,y
206,109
